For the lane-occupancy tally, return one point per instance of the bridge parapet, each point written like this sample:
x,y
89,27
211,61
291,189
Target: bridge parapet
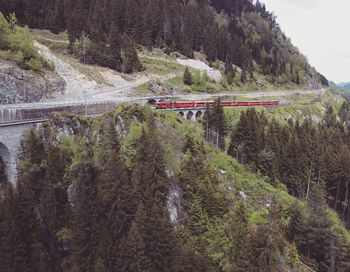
x,y
21,113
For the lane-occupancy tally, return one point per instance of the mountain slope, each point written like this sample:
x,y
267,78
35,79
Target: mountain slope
x,y
237,32
222,216
344,85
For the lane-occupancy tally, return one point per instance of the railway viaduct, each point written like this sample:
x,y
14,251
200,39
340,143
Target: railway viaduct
x,y
10,142
17,119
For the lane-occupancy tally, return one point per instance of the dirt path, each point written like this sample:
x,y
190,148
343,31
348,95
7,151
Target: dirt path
x,y
78,85
76,82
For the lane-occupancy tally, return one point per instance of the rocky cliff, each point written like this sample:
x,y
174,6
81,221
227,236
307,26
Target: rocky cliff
x,y
22,86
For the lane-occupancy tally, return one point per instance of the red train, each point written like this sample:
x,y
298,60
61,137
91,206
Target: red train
x,y
204,104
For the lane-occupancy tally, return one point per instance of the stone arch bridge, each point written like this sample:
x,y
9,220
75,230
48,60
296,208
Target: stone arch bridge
x,y
10,142
191,114
16,119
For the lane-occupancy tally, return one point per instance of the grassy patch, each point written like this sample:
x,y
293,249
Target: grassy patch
x,y
48,35
142,89
160,67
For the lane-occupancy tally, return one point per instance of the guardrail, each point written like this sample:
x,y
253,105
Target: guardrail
x,y
17,123
20,113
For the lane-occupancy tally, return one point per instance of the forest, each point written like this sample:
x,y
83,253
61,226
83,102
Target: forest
x,y
299,154
138,190
243,35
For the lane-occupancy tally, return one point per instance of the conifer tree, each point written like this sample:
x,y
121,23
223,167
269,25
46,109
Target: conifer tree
x,y
215,125
115,209
132,248
269,241
85,220
131,62
187,77
239,253
158,238
21,247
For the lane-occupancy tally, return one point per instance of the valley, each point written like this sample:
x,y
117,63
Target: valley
x,y
167,136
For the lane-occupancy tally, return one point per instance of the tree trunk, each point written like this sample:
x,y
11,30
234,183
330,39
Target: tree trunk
x,y
346,200
308,183
337,196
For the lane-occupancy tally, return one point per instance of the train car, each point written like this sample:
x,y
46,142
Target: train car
x,y
204,104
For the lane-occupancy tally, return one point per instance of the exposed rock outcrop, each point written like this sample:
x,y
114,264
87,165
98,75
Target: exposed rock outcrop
x,y
22,86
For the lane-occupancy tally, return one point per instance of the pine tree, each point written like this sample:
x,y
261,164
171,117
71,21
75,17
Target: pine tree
x,y
21,247
239,252
244,77
215,125
158,238
187,77
115,203
131,62
132,248
84,234
269,241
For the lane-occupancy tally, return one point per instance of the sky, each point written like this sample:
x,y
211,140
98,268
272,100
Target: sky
x,y
321,30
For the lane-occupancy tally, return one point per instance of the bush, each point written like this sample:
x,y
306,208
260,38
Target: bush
x,y
6,54
4,32
34,64
17,45
50,65
19,57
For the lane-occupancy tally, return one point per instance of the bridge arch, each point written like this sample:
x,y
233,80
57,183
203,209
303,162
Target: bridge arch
x,y
182,114
5,156
199,114
152,102
189,115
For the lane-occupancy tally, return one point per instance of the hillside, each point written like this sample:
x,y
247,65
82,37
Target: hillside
x,y
177,203
344,85
25,76
244,36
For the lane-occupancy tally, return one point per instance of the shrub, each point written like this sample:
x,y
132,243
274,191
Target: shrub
x,y
50,65
4,32
5,54
19,57
34,64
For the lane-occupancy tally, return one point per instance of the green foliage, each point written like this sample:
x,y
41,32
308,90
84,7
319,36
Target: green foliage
x,y
82,47
16,44
215,126
187,77
130,144
240,32
103,196
34,64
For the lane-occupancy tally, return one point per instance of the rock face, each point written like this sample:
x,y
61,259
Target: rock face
x,y
22,86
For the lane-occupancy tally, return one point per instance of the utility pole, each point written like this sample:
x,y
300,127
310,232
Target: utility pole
x,y
85,102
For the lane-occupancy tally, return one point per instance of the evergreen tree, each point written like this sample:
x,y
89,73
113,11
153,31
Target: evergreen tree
x,y
21,247
187,77
131,62
132,248
215,125
269,241
159,239
85,220
239,253
115,207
